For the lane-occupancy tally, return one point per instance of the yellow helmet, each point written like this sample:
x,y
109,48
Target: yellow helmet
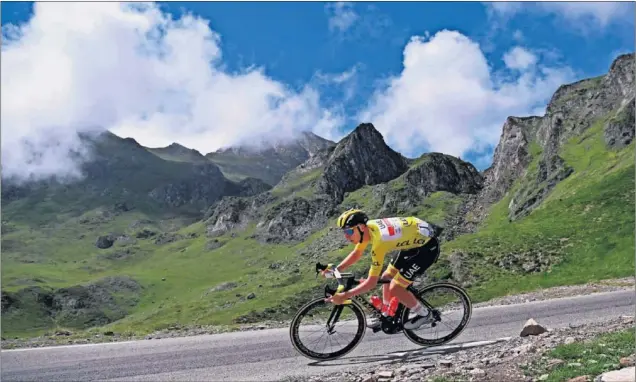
x,y
351,218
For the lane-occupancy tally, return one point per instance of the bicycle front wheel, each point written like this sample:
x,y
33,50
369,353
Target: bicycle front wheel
x,y
342,326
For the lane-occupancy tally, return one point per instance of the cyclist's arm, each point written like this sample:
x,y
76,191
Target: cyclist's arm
x,y
363,287
353,257
377,259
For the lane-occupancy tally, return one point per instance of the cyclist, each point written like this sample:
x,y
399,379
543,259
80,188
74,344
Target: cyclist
x,y
419,249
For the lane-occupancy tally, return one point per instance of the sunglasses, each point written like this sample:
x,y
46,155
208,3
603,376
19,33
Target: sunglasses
x,y
348,231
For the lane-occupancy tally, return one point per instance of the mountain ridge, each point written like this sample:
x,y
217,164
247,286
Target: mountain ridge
x,y
522,223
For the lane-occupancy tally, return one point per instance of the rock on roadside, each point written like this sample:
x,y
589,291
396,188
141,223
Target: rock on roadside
x,y
532,328
622,375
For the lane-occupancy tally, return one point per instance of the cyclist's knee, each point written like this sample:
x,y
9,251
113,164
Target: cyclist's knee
x,y
399,281
394,286
390,272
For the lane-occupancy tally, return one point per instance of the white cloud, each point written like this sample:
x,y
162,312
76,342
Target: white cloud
x,y
519,58
361,25
503,8
346,81
600,13
132,69
446,98
580,15
341,15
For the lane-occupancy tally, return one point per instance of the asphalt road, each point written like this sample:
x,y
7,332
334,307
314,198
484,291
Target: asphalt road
x,y
268,354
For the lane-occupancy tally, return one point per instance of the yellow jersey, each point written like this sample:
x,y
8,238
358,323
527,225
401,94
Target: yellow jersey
x,y
391,234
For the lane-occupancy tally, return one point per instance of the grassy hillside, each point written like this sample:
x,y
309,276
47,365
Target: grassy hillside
x,y
125,249
583,231
585,227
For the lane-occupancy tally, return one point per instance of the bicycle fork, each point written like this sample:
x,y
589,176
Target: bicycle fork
x,y
335,315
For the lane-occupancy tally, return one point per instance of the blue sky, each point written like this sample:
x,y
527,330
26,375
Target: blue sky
x,y
329,66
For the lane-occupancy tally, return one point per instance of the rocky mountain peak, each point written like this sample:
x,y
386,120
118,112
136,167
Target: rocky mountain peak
x,y
304,142
511,156
621,74
313,143
361,158
269,160
573,109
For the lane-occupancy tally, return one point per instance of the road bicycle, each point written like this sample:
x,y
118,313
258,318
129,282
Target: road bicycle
x,y
389,324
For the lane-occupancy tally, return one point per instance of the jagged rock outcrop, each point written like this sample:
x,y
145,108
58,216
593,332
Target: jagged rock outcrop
x,y
234,213
573,109
430,173
440,172
361,158
79,306
204,185
510,159
619,130
250,187
549,173
295,219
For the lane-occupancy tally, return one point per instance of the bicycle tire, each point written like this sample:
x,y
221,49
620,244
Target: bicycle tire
x,y
300,347
467,303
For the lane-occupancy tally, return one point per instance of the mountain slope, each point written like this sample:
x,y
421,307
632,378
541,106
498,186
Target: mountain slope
x,y
178,153
271,162
556,207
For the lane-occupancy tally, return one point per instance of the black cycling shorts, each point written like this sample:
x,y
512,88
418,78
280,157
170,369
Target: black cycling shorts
x,y
413,262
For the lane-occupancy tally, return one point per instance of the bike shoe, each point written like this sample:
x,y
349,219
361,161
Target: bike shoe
x,y
418,321
374,323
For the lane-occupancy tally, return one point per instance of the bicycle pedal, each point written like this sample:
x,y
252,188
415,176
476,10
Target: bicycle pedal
x,y
376,329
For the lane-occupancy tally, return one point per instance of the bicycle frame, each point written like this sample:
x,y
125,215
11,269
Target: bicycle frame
x,y
394,322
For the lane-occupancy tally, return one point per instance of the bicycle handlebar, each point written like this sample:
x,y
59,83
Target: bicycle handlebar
x,y
337,275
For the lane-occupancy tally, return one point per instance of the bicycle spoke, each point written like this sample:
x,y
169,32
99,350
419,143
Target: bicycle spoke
x,y
340,339
447,327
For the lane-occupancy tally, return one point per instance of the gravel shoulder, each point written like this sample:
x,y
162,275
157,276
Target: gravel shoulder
x,y
67,337
525,359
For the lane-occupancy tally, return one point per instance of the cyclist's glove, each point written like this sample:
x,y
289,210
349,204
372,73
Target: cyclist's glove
x,y
328,273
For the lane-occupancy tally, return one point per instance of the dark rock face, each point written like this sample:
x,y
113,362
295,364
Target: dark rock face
x,y
548,176
250,187
234,213
295,219
206,184
440,172
511,157
361,158
104,242
79,306
430,173
619,130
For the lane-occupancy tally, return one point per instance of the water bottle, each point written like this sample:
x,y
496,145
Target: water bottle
x,y
376,301
393,306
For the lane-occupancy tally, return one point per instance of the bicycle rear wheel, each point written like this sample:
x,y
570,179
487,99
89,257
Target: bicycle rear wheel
x,y
319,314
444,311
